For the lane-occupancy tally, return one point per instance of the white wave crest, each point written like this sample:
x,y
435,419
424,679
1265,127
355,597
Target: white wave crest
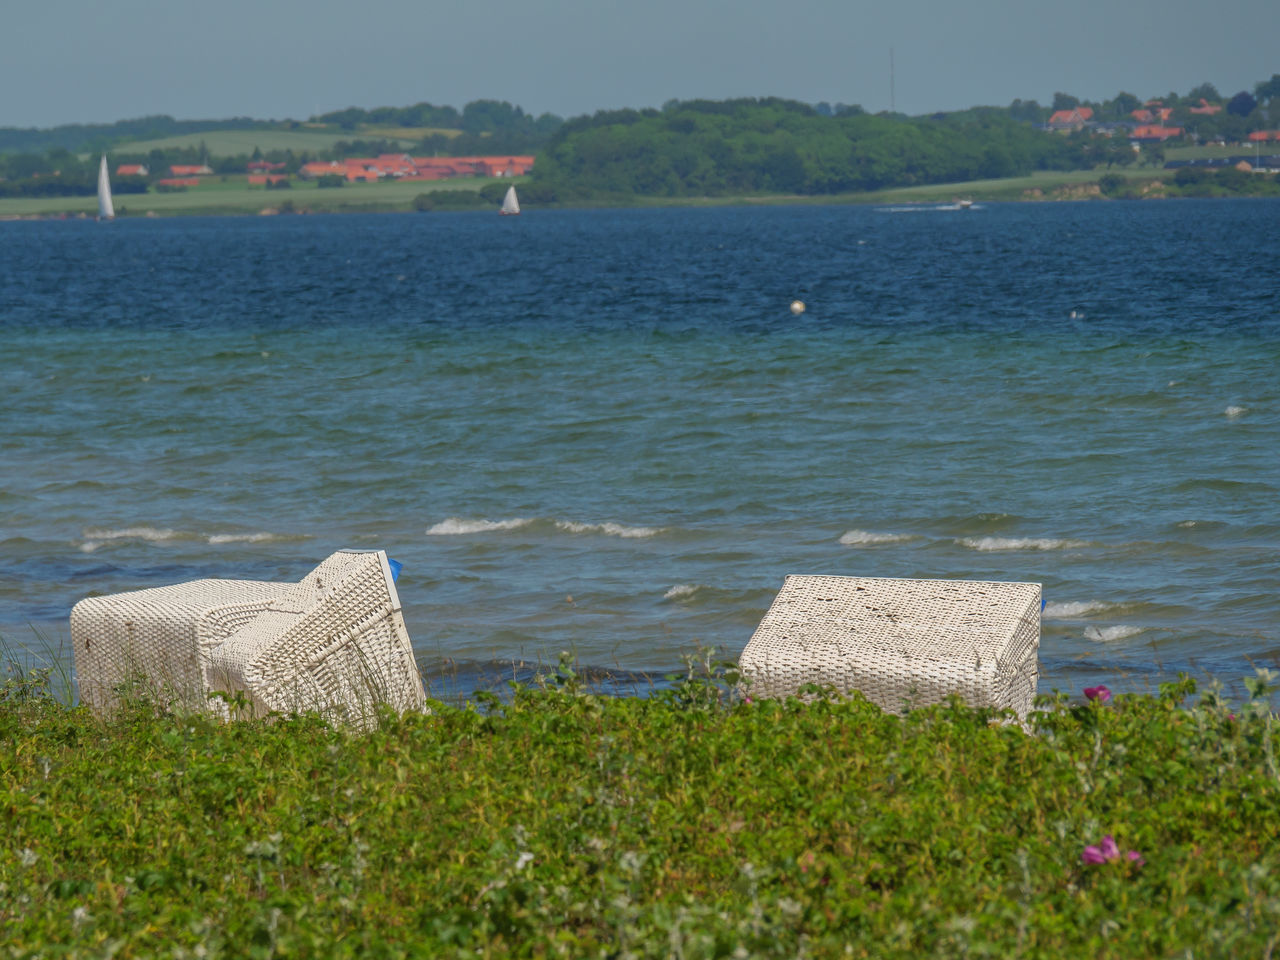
x,y
456,526
681,590
1018,543
862,538
152,534
1233,412
89,546
1111,634
610,529
1075,609
244,537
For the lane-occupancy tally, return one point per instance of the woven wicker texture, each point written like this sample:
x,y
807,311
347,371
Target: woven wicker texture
x,y
901,643
160,637
335,643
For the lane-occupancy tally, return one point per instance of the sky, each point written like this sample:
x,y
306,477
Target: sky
x,y
88,61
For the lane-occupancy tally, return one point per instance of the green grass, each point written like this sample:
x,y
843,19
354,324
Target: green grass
x,y
690,824
223,143
411,134
1013,188
234,196
1206,151
1010,188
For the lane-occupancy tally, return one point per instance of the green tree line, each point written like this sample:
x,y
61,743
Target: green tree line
x,y
711,148
95,137
57,173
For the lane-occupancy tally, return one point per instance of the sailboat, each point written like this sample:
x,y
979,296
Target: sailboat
x,y
105,209
510,205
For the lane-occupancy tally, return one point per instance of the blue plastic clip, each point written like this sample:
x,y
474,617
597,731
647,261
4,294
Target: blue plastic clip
x,y
396,566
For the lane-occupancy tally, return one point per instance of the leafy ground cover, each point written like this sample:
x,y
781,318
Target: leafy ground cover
x,y
691,823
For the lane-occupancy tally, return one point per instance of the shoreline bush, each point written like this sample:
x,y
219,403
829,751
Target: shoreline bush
x,y
559,822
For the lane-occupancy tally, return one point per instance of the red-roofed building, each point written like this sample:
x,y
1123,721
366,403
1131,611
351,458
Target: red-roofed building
x,y
190,169
1262,136
1206,108
505,166
365,170
322,168
1066,121
132,170
179,182
396,164
451,166
1159,115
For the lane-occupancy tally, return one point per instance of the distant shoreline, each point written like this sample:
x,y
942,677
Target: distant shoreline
x,y
1044,187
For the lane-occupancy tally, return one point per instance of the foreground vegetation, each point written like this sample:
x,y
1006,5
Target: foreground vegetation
x,y
691,823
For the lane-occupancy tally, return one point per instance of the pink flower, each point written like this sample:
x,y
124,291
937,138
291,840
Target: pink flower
x,y
1107,851
1099,693
1093,855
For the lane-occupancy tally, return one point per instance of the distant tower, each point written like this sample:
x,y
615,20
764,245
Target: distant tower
x,y
893,108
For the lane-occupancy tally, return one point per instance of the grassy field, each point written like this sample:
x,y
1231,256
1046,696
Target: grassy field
x,y
1011,188
225,143
413,134
691,823
1205,151
234,196
241,142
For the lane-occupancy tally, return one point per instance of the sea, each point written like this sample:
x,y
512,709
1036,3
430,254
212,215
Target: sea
x,y
606,432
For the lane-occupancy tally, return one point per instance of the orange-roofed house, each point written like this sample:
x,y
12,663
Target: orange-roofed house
x,y
1067,121
396,164
190,170
505,166
1158,116
179,182
1206,108
1262,136
132,170
322,168
362,170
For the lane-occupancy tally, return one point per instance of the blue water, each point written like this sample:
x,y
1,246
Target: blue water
x,y
604,431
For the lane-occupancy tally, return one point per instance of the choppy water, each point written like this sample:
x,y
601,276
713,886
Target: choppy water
x,y
604,431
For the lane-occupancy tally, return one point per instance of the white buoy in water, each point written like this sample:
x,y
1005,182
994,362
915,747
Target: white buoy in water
x,y
797,307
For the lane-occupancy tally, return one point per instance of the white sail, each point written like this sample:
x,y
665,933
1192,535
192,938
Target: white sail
x,y
105,210
510,204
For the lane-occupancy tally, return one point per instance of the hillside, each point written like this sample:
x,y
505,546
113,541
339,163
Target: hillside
x,y
494,125
712,148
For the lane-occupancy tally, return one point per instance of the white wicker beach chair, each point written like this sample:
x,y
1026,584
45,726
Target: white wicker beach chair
x,y
901,643
160,638
335,643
